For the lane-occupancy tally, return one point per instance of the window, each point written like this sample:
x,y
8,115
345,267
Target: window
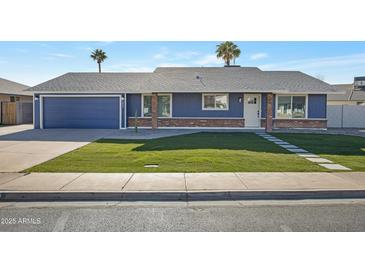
x,y
163,105
147,105
215,101
14,98
291,107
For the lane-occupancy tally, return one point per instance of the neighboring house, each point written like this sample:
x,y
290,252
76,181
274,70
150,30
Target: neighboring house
x,y
213,97
21,111
347,110
11,91
353,94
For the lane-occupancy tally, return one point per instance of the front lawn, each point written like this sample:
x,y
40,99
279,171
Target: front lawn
x,y
345,150
200,152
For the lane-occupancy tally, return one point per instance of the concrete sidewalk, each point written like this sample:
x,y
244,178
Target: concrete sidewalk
x,y
176,185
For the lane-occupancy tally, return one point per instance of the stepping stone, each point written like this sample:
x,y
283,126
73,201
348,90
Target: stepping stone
x,y
281,143
335,167
307,155
319,160
274,140
296,150
288,146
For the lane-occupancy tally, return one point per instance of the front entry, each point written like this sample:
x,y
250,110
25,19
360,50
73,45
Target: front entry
x,y
252,110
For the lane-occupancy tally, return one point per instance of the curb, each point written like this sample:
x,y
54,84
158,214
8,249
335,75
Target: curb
x,y
179,196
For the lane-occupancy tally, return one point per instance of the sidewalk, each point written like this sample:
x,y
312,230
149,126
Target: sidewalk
x,y
178,186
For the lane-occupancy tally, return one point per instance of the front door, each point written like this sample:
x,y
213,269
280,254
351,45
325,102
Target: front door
x,y
252,110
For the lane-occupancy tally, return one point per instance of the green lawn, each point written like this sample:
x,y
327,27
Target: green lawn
x,y
345,150
200,152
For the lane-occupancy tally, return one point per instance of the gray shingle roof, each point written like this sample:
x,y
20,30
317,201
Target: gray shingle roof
x,y
13,88
348,94
189,79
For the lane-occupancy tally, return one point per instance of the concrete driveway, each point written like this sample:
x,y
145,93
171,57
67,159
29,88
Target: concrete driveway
x,y
22,147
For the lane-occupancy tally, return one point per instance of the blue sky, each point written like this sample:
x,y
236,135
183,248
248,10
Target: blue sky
x,y
35,62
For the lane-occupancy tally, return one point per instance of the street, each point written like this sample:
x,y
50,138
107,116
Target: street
x,y
309,215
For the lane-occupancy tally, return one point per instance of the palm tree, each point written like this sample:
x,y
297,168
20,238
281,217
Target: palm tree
x,y
228,51
99,56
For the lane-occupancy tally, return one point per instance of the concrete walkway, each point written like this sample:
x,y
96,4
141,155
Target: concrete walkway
x,y
166,182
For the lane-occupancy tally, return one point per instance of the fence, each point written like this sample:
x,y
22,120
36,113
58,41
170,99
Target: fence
x,y
13,113
346,116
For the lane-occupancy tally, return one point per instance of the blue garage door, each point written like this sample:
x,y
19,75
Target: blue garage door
x,y
81,112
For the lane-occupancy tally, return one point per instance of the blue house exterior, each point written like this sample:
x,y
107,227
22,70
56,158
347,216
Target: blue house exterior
x,y
182,98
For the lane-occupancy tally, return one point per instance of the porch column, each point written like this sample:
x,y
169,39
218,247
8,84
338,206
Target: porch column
x,y
154,110
269,109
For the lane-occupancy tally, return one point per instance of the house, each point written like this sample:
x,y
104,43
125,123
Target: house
x,y
14,92
16,104
352,94
183,97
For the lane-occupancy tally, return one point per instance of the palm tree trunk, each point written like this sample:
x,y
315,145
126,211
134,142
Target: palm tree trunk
x,y
228,62
99,64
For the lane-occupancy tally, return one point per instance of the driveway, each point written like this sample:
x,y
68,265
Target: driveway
x,y
22,147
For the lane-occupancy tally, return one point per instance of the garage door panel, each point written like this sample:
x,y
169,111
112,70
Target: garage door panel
x,y
81,112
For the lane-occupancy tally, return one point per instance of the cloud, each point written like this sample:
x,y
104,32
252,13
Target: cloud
x,y
186,54
86,48
209,59
125,67
22,50
319,63
162,54
172,65
159,56
60,55
165,54
259,55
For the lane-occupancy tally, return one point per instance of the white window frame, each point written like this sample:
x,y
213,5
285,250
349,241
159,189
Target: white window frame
x,y
159,94
291,103
215,109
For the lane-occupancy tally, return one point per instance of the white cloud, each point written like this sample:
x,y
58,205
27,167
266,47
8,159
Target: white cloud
x,y
186,54
316,63
209,59
86,48
159,56
123,67
172,65
162,54
61,55
259,55
22,50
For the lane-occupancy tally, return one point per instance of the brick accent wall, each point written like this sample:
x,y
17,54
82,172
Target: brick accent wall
x,y
141,122
299,123
191,122
269,107
154,110
187,122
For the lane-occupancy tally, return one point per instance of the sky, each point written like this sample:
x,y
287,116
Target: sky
x,y
32,63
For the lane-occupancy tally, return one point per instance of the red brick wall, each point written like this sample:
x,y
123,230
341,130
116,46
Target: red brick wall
x,y
299,123
269,107
141,122
187,122
154,106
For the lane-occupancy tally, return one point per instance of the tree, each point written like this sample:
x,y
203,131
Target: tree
x,y
228,51
99,56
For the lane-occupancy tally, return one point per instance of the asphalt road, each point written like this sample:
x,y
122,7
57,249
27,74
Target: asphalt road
x,y
315,215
